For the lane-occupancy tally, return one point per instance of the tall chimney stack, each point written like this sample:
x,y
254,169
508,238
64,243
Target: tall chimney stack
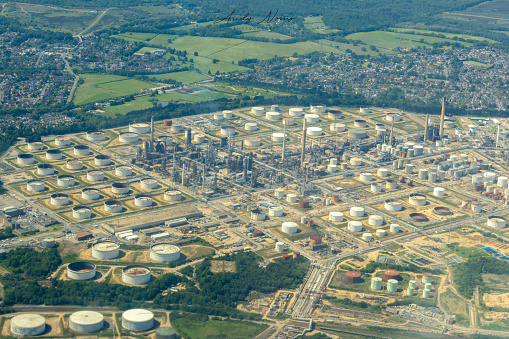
x,y
302,155
426,129
442,118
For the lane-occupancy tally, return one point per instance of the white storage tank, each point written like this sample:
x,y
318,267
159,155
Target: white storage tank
x,y
364,110
318,108
25,159
227,114
139,128
106,250
275,211
90,194
74,165
257,215
149,184
53,154
95,175
381,233
314,131
336,216
355,226
291,198
376,187
81,270
136,275
172,196
251,126
280,246
102,160
258,110
176,128
165,252
332,168
359,123
365,176
48,242
227,131
279,193
35,146
278,137
35,186
62,141
123,171
129,137
394,228
143,200
199,138
137,320
45,169
120,187
82,212
96,136
375,220
273,116
66,181
367,236
382,172
337,127
81,150
167,140
417,199
355,162
252,142
28,324
218,116
295,112
113,206
393,117
289,227
502,182
438,191
357,212
59,199
496,222
311,118
86,322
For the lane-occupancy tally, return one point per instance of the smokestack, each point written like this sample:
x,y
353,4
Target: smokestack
x,y
426,129
203,181
152,132
188,137
442,117
183,172
284,145
392,131
303,153
498,135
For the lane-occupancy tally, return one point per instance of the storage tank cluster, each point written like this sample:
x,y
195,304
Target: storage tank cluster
x,y
136,275
289,227
164,252
105,250
81,270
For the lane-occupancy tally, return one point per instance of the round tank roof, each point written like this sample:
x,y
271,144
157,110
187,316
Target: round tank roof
x,y
138,315
29,320
106,246
86,317
164,248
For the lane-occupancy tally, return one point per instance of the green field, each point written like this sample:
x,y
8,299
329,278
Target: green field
x,y
99,87
135,37
161,39
313,22
183,77
201,327
252,31
236,90
205,65
453,304
446,35
477,63
149,49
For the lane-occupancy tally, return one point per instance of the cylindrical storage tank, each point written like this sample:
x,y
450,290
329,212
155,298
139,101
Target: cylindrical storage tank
x,y
164,252
48,242
81,150
257,215
137,320
448,123
90,194
86,322
496,222
381,233
252,142
95,175
417,199
355,226
123,171
279,193
364,110
422,174
502,182
227,114
393,205
357,212
365,176
81,212
62,141
278,137
317,108
274,108
311,118
120,187
353,277
96,136
336,216
251,126
136,275
275,211
102,160
367,236
74,165
218,116
258,110
376,187
334,114
289,227
427,278
438,192
45,169
139,128
149,184
337,127
393,117
53,154
106,250
392,285
412,283
81,270
295,112
425,293
35,186
314,131
355,162
356,133
130,137
35,146
272,116
409,168
394,228
391,184
432,177
113,206
376,283
59,199
28,324
359,123
382,172
291,198
227,131
25,159
167,140
418,150
375,220
489,177
280,246
476,207
176,128
172,195
410,291
379,127
66,181
199,138
143,200
331,168
333,161
391,274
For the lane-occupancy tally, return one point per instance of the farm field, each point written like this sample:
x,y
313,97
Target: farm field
x,y
446,35
101,87
135,37
185,77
